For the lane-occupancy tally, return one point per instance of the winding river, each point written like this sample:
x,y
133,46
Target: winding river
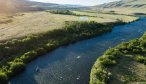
x,y
72,64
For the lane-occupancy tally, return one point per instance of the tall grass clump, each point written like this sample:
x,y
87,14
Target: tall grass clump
x,y
140,59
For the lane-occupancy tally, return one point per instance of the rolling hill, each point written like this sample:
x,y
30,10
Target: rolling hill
x,y
26,5
124,7
125,3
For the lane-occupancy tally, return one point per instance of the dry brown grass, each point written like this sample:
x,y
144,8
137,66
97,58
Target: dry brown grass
x,y
126,11
37,22
128,71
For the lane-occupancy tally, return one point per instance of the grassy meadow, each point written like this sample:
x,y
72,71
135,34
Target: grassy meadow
x,y
107,17
23,24
126,11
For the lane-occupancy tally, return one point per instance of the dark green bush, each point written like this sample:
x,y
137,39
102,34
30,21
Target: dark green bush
x,y
109,51
106,62
137,50
143,43
40,51
123,46
3,78
102,76
140,59
16,67
65,12
114,52
134,42
49,47
29,56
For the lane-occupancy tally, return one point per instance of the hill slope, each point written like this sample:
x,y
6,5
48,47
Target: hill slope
x,y
124,6
26,5
125,3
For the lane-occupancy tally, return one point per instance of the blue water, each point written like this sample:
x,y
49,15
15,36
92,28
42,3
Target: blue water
x,y
72,64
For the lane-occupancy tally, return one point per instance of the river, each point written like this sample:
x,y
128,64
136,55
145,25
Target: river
x,y
72,64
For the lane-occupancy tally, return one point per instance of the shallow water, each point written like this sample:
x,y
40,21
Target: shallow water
x,y
72,64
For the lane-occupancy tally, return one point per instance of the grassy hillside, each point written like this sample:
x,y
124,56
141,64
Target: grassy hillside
x,y
126,3
11,6
124,64
123,7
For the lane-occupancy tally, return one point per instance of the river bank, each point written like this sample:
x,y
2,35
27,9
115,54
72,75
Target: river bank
x,y
123,64
72,63
16,54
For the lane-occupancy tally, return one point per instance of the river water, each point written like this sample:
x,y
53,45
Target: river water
x,y
72,64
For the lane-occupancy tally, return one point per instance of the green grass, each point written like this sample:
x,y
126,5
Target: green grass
x,y
140,59
64,12
126,64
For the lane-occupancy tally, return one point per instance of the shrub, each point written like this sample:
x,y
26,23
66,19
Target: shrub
x,y
123,46
40,51
3,78
101,76
137,50
50,46
140,59
16,67
143,43
106,62
109,51
114,52
134,42
29,56
65,12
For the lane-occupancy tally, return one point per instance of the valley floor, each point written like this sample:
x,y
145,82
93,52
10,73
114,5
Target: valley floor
x,y
23,24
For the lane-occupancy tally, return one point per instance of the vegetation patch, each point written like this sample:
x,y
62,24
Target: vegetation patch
x,y
68,12
6,21
123,64
64,12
